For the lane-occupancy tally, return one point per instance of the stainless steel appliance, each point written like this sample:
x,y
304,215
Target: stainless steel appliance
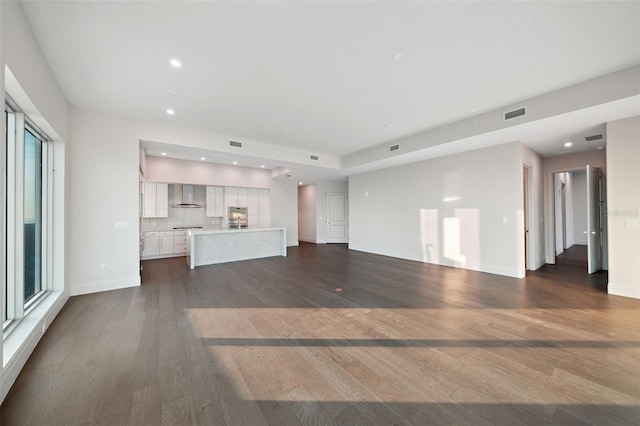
x,y
187,199
238,217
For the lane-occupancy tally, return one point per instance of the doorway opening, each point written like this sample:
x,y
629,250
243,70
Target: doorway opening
x,y
579,219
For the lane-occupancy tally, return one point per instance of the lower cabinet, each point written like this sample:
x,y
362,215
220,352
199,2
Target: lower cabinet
x,y
180,242
151,244
164,244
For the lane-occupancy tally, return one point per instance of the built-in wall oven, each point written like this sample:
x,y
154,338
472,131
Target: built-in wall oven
x,y
238,218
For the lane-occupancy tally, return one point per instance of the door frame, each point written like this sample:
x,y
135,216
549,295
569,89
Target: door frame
x,y
527,208
550,225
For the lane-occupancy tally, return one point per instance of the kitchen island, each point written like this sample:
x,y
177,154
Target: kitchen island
x,y
208,247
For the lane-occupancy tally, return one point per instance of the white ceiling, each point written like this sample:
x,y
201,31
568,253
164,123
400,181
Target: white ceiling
x,y
328,77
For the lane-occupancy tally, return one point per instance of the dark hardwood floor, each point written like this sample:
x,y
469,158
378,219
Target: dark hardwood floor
x,y
271,341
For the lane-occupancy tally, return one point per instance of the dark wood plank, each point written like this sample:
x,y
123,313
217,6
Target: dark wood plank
x,y
271,341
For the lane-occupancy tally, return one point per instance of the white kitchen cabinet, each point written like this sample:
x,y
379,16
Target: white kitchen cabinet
x,y
151,244
179,242
155,200
236,197
264,202
252,208
166,242
158,243
243,197
259,208
214,201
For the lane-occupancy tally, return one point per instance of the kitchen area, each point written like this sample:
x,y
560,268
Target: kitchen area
x,y
207,224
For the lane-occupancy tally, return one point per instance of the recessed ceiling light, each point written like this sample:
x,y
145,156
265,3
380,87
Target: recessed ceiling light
x,y
164,153
202,158
172,92
175,63
300,183
170,111
567,144
398,56
262,166
235,162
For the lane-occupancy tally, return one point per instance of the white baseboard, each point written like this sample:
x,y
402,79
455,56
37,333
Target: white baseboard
x,y
489,269
95,287
633,293
501,270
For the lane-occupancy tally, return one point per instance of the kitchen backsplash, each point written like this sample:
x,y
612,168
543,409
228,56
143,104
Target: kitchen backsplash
x,y
182,217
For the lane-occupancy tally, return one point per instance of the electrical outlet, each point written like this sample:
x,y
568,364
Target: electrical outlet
x,y
105,266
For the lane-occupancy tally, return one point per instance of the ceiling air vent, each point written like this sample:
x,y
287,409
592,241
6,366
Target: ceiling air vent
x,y
394,148
314,157
593,138
236,144
520,112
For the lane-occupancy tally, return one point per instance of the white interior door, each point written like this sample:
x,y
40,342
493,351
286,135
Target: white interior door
x,y
337,218
594,229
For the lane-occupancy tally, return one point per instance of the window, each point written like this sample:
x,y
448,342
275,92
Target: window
x,y
32,216
27,215
6,166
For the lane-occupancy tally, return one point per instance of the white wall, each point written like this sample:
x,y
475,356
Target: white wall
x,y
557,200
533,161
25,75
169,170
569,207
563,163
579,202
104,176
103,189
623,193
463,210
283,191
284,207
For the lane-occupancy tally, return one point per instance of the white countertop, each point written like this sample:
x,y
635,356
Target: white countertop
x,y
230,231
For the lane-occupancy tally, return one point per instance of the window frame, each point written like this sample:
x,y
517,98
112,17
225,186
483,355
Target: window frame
x,y
15,307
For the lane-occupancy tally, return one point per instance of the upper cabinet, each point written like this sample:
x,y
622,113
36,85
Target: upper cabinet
x,y
237,197
214,201
155,200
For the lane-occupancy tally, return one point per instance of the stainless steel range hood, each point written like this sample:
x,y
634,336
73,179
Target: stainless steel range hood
x,y
187,199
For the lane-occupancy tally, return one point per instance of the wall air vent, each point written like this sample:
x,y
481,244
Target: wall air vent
x,y
314,157
520,112
394,148
593,138
236,144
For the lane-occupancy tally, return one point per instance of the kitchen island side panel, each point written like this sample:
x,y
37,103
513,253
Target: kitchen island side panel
x,y
212,247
